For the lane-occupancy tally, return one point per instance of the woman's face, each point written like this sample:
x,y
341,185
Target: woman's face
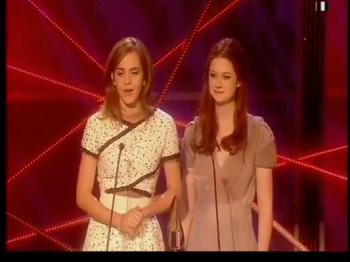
x,y
128,79
222,80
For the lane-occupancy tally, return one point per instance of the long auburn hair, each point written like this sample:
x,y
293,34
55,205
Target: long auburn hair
x,y
111,104
231,50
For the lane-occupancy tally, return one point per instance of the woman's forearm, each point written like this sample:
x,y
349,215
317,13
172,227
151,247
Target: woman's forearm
x,y
265,230
159,205
97,211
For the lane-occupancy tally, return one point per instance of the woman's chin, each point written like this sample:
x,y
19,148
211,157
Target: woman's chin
x,y
222,102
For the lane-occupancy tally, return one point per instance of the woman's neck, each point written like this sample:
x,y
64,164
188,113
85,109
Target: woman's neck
x,y
132,114
224,113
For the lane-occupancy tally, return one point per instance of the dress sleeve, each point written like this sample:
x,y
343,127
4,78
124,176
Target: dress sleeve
x,y
266,156
89,142
171,149
186,145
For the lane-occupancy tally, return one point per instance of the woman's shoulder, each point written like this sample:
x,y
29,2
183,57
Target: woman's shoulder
x,y
257,126
163,119
160,114
95,118
190,127
99,121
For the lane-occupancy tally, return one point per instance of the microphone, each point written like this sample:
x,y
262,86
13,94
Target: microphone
x,y
216,204
121,147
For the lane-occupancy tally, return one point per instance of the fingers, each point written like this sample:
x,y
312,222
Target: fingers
x,y
135,220
136,214
131,223
132,219
129,230
127,227
138,208
136,211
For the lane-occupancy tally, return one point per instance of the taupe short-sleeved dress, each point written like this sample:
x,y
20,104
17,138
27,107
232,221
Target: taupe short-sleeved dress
x,y
236,189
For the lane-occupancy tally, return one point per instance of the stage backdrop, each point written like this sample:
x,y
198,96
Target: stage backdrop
x,y
56,51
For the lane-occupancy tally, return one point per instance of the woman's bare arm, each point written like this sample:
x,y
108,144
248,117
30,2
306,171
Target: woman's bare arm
x,y
173,182
265,202
84,197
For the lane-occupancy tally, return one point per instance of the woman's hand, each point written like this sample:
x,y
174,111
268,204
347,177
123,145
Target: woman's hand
x,y
131,220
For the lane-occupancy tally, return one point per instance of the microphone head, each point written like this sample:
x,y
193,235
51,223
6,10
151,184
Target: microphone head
x,y
121,146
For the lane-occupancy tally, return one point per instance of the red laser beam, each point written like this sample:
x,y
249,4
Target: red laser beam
x,y
277,226
296,162
65,225
79,90
81,124
84,219
66,247
167,55
180,124
46,151
172,51
80,48
186,47
54,145
205,26
324,152
85,92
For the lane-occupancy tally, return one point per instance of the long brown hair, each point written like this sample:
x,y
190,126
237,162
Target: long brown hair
x,y
111,105
207,125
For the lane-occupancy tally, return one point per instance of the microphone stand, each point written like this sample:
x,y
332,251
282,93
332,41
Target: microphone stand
x,y
121,147
216,204
229,195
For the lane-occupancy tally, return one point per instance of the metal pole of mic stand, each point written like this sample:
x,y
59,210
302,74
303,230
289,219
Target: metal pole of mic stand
x,y
216,204
121,147
227,190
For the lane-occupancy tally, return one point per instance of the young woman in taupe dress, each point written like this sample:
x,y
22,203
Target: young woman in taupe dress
x,y
229,156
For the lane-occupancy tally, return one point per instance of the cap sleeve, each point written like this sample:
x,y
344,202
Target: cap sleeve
x,y
266,156
186,145
171,149
89,142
